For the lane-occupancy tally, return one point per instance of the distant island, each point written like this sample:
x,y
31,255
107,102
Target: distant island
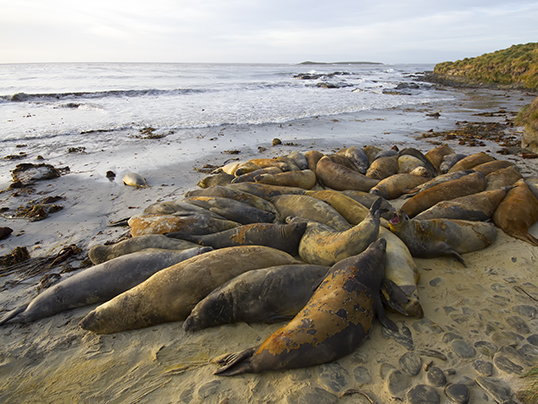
x,y
309,62
515,67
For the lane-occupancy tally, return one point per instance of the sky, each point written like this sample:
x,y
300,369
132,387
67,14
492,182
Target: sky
x,y
261,31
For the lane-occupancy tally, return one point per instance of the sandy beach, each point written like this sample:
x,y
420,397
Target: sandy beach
x,y
467,309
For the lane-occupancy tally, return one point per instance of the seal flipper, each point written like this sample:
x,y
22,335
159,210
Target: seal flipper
x,y
236,363
13,313
443,248
392,295
380,314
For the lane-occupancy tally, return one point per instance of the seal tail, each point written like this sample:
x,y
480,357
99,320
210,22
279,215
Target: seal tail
x,y
529,238
236,363
12,314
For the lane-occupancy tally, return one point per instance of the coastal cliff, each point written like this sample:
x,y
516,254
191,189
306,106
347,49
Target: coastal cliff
x,y
515,67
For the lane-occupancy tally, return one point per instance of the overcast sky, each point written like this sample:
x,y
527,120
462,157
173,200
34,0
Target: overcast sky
x,y
261,31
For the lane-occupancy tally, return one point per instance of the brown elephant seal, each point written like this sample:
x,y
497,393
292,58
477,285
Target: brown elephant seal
x,y
467,185
102,253
503,178
231,209
215,179
284,237
266,191
358,157
172,293
439,237
397,185
492,166
251,176
100,283
436,155
135,180
440,179
532,183
517,212
334,322
342,160
338,177
322,245
178,208
367,199
266,295
227,192
305,179
449,161
383,167
266,162
471,161
290,162
408,164
417,154
399,289
312,157
196,223
299,159
354,212
479,206
372,152
308,207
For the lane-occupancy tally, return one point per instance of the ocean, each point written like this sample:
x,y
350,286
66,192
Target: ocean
x,y
49,109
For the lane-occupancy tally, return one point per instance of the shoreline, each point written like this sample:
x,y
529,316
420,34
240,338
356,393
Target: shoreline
x,y
54,360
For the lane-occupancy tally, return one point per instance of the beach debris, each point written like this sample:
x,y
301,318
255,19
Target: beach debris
x,y
18,255
27,173
47,281
40,209
76,149
111,175
134,180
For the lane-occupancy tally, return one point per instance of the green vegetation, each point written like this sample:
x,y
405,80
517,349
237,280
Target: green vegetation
x,y
515,67
529,395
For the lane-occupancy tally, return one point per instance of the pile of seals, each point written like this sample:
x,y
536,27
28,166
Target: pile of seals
x,y
310,238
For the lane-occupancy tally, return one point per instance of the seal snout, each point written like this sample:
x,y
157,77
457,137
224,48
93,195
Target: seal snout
x,y
395,219
88,322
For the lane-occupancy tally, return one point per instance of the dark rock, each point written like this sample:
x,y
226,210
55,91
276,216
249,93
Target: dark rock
x,y
496,388
16,256
402,337
208,389
466,381
506,365
483,367
497,287
312,395
333,376
516,356
111,175
458,393
463,349
436,282
504,338
28,173
460,318
451,336
5,232
525,311
518,324
529,351
486,348
186,395
436,377
411,363
397,382
426,326
533,339
498,300
385,369
432,353
448,309
423,394
362,376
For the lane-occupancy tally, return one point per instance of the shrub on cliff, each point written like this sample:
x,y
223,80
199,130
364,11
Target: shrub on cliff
x,y
528,117
516,66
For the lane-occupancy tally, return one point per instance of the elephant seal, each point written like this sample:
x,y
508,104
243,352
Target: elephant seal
x,y
341,178
322,245
372,152
440,179
102,253
299,159
308,207
358,157
312,157
492,166
266,295
135,180
290,162
467,185
439,237
435,155
417,154
305,179
215,179
383,167
231,209
172,293
266,162
342,160
178,208
449,160
479,206
399,289
354,212
368,199
251,176
517,212
235,194
334,322
503,178
471,161
100,283
284,237
398,184
194,224
266,191
532,183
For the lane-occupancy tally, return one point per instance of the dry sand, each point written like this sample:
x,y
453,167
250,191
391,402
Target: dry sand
x,y
53,360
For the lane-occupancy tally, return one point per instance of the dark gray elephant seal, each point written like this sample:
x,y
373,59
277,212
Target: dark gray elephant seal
x,y
232,210
102,253
439,237
334,322
100,283
284,237
264,295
